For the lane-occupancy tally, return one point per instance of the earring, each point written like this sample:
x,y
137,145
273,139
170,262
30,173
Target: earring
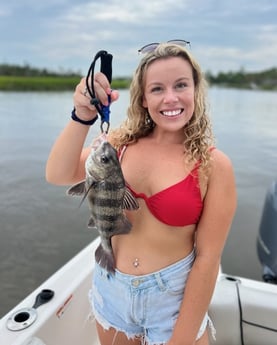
x,y
148,121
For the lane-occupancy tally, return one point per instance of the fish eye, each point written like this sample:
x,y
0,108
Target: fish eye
x,y
104,159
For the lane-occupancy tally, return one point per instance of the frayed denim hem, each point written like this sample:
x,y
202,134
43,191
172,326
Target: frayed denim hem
x,y
145,342
130,336
95,316
143,338
211,329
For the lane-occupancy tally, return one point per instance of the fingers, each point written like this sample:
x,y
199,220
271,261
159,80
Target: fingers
x,y
114,95
82,98
102,89
83,108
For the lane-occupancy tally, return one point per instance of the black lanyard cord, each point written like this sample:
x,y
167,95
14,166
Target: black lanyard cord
x,y
106,68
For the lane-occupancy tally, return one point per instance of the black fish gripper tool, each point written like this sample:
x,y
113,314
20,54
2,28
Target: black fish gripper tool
x,y
105,68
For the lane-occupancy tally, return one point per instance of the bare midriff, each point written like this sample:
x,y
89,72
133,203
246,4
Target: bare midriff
x,y
151,245
150,166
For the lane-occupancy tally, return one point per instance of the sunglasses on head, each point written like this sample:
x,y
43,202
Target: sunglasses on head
x,y
152,46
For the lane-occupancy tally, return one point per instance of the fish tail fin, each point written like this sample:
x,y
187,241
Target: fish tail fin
x,y
105,259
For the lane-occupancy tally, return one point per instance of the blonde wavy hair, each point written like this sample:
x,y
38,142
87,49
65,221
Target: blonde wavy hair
x,y
198,136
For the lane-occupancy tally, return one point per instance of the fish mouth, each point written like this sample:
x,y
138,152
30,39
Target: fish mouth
x,y
172,113
98,141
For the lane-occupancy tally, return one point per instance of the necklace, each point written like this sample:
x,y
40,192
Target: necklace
x,y
136,262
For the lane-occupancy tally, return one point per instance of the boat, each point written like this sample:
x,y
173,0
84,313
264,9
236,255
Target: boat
x,y
244,311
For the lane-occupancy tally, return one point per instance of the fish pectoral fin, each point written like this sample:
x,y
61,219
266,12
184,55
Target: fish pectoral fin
x,y
77,189
129,201
91,223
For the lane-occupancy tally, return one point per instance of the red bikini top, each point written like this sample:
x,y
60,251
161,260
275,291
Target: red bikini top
x,y
178,205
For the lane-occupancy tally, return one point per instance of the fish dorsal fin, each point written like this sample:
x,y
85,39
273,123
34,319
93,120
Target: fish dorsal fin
x,y
77,189
129,201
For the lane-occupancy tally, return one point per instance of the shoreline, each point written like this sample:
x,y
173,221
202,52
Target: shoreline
x,y
49,83
68,83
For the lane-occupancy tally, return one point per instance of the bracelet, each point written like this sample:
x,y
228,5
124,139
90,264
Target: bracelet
x,y
77,119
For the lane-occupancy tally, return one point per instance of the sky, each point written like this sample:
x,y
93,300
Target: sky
x,y
64,35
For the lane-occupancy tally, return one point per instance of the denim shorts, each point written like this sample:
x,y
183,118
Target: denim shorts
x,y
144,306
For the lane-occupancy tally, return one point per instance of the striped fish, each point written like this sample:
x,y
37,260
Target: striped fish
x,y
108,196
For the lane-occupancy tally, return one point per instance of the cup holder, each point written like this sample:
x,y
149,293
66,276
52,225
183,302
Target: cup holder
x,y
21,319
25,317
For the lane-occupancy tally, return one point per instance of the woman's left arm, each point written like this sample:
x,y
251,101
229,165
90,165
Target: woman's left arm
x,y
212,231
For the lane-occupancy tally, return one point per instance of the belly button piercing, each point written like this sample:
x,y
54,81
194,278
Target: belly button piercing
x,y
136,263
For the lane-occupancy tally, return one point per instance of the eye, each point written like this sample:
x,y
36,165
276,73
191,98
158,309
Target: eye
x,y
104,159
156,89
181,85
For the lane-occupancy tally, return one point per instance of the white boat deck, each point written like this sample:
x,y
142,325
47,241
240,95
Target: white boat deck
x,y
66,320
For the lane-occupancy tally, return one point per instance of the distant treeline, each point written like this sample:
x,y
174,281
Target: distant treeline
x,y
27,78
28,71
264,80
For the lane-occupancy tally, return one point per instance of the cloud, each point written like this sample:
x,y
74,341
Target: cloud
x,y
259,55
94,25
119,11
224,35
125,11
4,13
265,50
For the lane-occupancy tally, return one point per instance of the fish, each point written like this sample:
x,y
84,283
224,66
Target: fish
x,y
108,196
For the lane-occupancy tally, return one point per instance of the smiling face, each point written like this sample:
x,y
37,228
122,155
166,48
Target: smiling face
x,y
169,93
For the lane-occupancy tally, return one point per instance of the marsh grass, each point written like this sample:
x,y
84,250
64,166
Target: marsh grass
x,y
49,83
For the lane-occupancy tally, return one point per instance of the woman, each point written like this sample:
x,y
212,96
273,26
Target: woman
x,y
166,267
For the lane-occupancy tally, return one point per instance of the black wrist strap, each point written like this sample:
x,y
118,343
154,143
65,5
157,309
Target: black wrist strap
x,y
77,119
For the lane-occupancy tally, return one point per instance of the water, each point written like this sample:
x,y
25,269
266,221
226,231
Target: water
x,y
41,228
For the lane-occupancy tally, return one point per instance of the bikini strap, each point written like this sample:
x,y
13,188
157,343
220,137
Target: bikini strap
x,y
121,152
198,163
212,148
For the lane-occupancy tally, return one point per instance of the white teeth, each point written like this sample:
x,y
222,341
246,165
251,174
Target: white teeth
x,y
172,112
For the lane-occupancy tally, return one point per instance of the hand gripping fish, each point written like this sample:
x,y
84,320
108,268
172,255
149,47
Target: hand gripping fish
x,y
108,196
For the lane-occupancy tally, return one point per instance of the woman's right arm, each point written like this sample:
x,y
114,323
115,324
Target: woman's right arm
x,y
66,162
